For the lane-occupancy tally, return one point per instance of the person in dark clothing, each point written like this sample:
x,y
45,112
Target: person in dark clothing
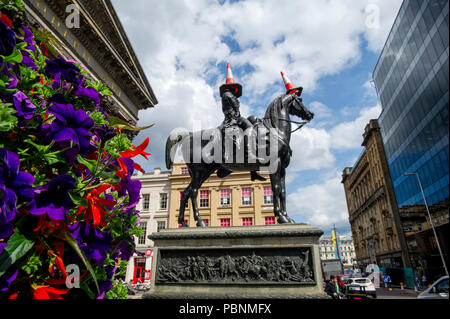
x,y
332,288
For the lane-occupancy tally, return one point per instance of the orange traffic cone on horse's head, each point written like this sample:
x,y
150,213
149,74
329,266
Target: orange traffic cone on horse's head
x,y
290,88
230,84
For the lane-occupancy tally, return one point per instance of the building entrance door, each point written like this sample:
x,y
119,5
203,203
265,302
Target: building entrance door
x,y
139,270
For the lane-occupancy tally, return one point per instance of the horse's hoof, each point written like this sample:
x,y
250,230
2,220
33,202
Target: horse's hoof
x,y
201,223
283,220
291,220
183,225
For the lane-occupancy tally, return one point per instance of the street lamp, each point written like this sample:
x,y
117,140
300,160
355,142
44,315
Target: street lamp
x,y
431,221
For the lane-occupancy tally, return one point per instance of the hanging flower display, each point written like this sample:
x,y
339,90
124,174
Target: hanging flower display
x,y
67,196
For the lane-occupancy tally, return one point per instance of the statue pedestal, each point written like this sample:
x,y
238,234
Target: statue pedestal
x,y
273,261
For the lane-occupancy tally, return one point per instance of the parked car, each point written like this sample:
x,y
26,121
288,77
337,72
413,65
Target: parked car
x,y
369,286
355,292
438,290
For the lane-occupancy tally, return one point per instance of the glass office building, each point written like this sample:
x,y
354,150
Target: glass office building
x,y
412,80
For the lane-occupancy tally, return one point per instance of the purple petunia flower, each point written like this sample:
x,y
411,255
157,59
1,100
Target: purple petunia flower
x,y
8,277
29,39
53,198
23,105
65,69
28,61
7,40
94,243
70,128
15,188
105,286
105,133
89,92
12,79
127,185
125,251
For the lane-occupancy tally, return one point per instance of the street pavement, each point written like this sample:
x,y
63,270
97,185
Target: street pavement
x,y
395,293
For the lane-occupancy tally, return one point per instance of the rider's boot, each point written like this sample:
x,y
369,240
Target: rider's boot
x,y
222,172
255,176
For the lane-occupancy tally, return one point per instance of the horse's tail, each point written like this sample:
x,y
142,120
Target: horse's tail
x,y
172,145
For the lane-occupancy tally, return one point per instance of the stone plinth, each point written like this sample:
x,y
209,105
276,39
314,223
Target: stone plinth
x,y
273,261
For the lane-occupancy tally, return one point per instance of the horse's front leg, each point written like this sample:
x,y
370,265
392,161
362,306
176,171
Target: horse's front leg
x,y
275,179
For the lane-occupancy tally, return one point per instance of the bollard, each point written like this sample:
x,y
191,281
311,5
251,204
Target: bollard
x,y
403,289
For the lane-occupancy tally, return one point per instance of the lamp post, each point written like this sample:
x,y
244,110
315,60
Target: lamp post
x,y
431,221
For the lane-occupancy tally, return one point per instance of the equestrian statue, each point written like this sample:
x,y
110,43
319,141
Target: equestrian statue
x,y
241,144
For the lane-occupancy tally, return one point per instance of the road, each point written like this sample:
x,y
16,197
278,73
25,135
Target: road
x,y
395,293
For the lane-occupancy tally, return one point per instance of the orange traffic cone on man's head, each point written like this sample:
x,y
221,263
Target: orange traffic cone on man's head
x,y
230,84
290,88
230,78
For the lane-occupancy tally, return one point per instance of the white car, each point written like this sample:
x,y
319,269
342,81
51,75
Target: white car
x,y
368,285
438,290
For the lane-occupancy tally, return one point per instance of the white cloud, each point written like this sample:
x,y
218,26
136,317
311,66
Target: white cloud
x,y
180,43
348,135
310,150
321,205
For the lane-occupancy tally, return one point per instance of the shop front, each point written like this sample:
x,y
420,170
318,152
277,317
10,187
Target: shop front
x,y
140,268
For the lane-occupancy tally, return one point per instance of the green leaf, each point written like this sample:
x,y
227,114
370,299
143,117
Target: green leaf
x,y
18,245
67,237
119,123
90,164
15,57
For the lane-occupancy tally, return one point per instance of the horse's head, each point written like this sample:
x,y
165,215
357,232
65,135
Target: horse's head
x,y
297,108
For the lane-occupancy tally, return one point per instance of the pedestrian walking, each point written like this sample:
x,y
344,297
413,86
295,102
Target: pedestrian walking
x,y
418,283
332,288
424,281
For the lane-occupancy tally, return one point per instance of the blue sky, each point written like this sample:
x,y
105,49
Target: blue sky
x,y
328,47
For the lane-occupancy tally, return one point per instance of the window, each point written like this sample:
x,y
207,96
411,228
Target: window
x,y
145,202
204,199
247,221
269,220
225,222
184,171
161,225
163,201
225,198
442,287
268,195
246,197
141,239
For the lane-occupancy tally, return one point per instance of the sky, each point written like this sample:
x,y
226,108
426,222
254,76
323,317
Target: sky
x,y
329,47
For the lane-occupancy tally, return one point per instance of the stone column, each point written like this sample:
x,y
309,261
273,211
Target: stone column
x,y
235,204
213,204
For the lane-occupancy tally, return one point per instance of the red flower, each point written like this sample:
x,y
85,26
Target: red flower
x,y
47,292
123,171
139,168
140,150
58,262
95,211
6,20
